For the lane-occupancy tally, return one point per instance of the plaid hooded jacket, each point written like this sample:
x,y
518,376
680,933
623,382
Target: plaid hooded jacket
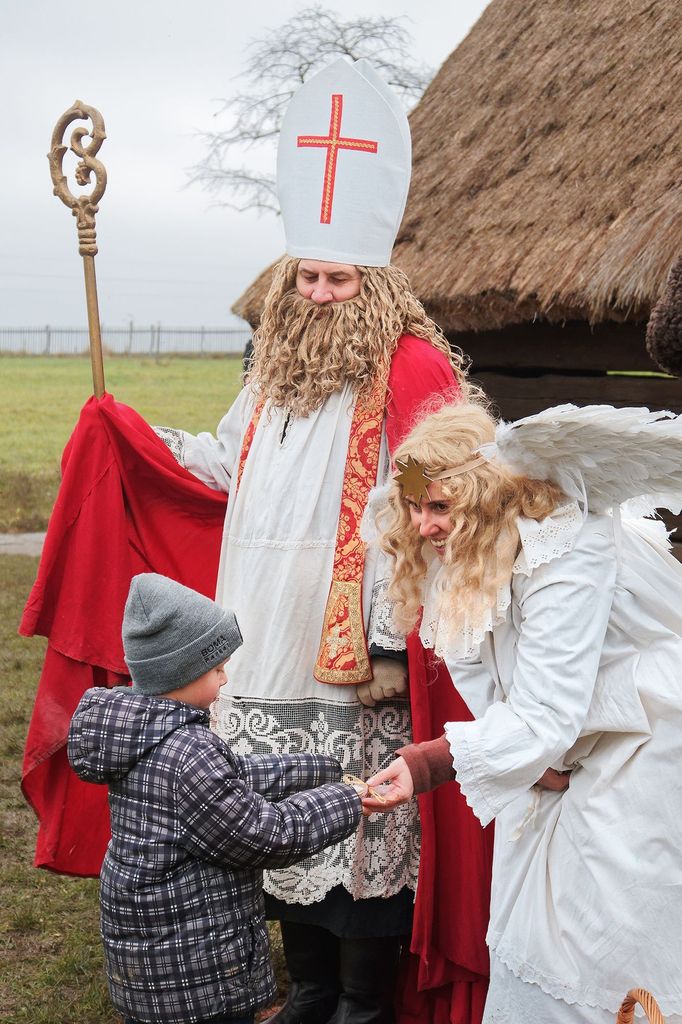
x,y
182,914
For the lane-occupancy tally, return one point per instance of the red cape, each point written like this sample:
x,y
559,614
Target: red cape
x,y
125,506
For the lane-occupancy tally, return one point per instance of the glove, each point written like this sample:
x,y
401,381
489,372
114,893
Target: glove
x,y
390,680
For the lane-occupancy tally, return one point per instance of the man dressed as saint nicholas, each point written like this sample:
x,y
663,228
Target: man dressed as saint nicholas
x,y
344,358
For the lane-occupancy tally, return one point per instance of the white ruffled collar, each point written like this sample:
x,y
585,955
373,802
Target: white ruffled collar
x,y
541,542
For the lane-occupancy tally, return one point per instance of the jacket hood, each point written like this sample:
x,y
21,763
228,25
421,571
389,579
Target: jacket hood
x,y
114,729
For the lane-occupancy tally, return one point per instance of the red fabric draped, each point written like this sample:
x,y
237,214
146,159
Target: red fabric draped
x,y
124,506
447,974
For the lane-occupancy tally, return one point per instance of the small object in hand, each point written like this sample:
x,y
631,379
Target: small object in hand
x,y
361,788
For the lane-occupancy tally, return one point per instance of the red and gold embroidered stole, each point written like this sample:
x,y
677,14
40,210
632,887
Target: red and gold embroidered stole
x,y
248,439
343,656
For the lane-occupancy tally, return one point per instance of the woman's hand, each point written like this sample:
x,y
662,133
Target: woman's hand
x,y
397,787
551,779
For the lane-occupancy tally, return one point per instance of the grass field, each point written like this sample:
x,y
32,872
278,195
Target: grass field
x,y
41,398
50,955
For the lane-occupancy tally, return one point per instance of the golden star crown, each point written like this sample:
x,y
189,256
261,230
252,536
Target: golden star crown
x,y
413,479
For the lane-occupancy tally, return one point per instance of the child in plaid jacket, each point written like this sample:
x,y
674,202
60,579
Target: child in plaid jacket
x,y
193,824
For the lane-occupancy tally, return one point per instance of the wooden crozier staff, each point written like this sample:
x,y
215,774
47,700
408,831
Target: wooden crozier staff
x,y
84,207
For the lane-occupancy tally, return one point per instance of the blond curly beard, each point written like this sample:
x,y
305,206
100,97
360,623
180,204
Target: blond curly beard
x,y
304,351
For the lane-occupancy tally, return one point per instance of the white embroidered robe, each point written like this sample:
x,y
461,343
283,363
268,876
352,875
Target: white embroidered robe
x,y
275,572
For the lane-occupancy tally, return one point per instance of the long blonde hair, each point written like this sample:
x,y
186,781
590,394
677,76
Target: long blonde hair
x,y
485,503
303,352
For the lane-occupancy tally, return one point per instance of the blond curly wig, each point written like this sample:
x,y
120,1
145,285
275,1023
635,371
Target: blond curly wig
x,y
304,352
485,502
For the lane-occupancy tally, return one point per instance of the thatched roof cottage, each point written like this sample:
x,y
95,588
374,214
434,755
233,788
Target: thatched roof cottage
x,y
545,209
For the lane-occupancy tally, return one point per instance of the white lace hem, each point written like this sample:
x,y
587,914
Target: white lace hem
x,y
382,856
593,994
311,880
462,760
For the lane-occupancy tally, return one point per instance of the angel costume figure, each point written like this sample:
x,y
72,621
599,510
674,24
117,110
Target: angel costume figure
x,y
343,357
560,615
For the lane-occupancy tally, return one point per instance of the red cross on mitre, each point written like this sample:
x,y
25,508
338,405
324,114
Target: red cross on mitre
x,y
333,143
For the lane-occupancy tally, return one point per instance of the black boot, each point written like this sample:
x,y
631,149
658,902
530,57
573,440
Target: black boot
x,y
312,958
368,971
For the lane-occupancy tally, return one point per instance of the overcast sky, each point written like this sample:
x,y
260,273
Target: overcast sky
x,y
154,69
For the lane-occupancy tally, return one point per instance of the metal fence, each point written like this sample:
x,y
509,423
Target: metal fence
x,y
154,340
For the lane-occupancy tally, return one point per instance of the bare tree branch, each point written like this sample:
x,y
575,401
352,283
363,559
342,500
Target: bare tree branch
x,y
259,191
277,63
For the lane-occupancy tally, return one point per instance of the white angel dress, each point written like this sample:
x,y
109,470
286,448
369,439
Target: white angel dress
x,y
578,667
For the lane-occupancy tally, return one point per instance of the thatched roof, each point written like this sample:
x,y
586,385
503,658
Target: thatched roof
x,y
547,167
250,303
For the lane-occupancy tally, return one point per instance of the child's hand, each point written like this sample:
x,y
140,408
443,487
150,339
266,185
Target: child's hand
x,y
394,785
364,791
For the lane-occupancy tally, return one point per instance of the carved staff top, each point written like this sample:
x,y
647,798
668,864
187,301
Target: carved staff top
x,y
84,207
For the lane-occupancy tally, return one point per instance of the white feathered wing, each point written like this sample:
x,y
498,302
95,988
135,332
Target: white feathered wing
x,y
599,455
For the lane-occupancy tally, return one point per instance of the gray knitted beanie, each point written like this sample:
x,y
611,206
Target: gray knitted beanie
x,y
172,635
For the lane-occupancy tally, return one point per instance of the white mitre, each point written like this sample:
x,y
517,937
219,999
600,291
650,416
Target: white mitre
x,y
343,167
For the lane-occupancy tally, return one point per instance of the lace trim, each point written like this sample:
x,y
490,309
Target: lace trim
x,y
513,1001
173,439
382,857
465,643
541,542
382,630
466,776
544,541
594,994
279,545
